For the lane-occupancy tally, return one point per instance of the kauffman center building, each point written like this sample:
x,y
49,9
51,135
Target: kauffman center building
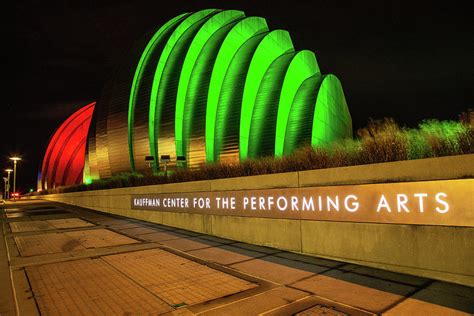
x,y
205,87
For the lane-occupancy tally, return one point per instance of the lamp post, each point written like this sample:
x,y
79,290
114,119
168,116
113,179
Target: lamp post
x,y
7,184
165,159
15,160
5,193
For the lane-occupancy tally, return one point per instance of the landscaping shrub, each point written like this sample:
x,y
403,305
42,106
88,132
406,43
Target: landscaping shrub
x,y
381,141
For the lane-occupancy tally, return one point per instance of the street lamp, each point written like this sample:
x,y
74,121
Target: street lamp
x,y
165,159
7,184
15,160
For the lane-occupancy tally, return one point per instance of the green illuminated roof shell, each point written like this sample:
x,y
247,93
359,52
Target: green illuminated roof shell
x,y
146,64
226,88
272,46
161,126
302,66
194,80
299,120
214,86
331,120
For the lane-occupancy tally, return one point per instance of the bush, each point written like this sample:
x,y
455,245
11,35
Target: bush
x,y
380,141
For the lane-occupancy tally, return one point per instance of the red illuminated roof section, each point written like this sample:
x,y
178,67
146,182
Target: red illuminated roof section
x,y
63,162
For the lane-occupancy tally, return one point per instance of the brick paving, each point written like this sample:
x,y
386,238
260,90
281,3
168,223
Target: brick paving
x,y
68,241
89,286
92,263
26,226
321,310
175,279
46,243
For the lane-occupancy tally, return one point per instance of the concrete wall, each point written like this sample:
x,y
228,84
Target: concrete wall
x,y
439,252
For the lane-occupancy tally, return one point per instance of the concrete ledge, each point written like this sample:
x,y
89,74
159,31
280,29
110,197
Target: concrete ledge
x,y
441,168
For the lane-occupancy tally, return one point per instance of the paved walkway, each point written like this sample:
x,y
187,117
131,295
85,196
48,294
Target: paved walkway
x,y
62,260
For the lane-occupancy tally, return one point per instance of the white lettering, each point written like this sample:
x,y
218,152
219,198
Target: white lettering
x,y
282,208
420,197
225,202
402,200
270,202
246,202
440,201
383,203
308,204
202,202
253,203
294,203
335,203
354,206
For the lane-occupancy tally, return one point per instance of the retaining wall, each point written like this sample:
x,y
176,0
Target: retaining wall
x,y
434,251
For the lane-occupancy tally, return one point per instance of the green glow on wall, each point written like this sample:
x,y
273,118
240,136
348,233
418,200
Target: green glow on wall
x,y
233,58
331,116
273,45
303,66
142,63
262,127
159,86
240,34
300,118
193,73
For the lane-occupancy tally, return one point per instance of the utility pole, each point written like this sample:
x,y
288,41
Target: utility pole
x,y
7,184
15,160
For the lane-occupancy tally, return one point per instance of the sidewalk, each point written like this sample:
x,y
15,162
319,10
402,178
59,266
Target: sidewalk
x,y
57,259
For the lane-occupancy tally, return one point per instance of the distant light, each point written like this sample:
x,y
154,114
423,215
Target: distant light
x,y
165,158
88,180
31,189
15,158
8,170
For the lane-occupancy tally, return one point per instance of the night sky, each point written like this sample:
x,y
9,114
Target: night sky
x,y
407,60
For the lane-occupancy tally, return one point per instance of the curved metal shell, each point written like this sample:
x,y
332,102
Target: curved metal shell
x,y
263,124
224,95
213,86
273,45
302,66
139,99
161,125
63,162
191,101
331,120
